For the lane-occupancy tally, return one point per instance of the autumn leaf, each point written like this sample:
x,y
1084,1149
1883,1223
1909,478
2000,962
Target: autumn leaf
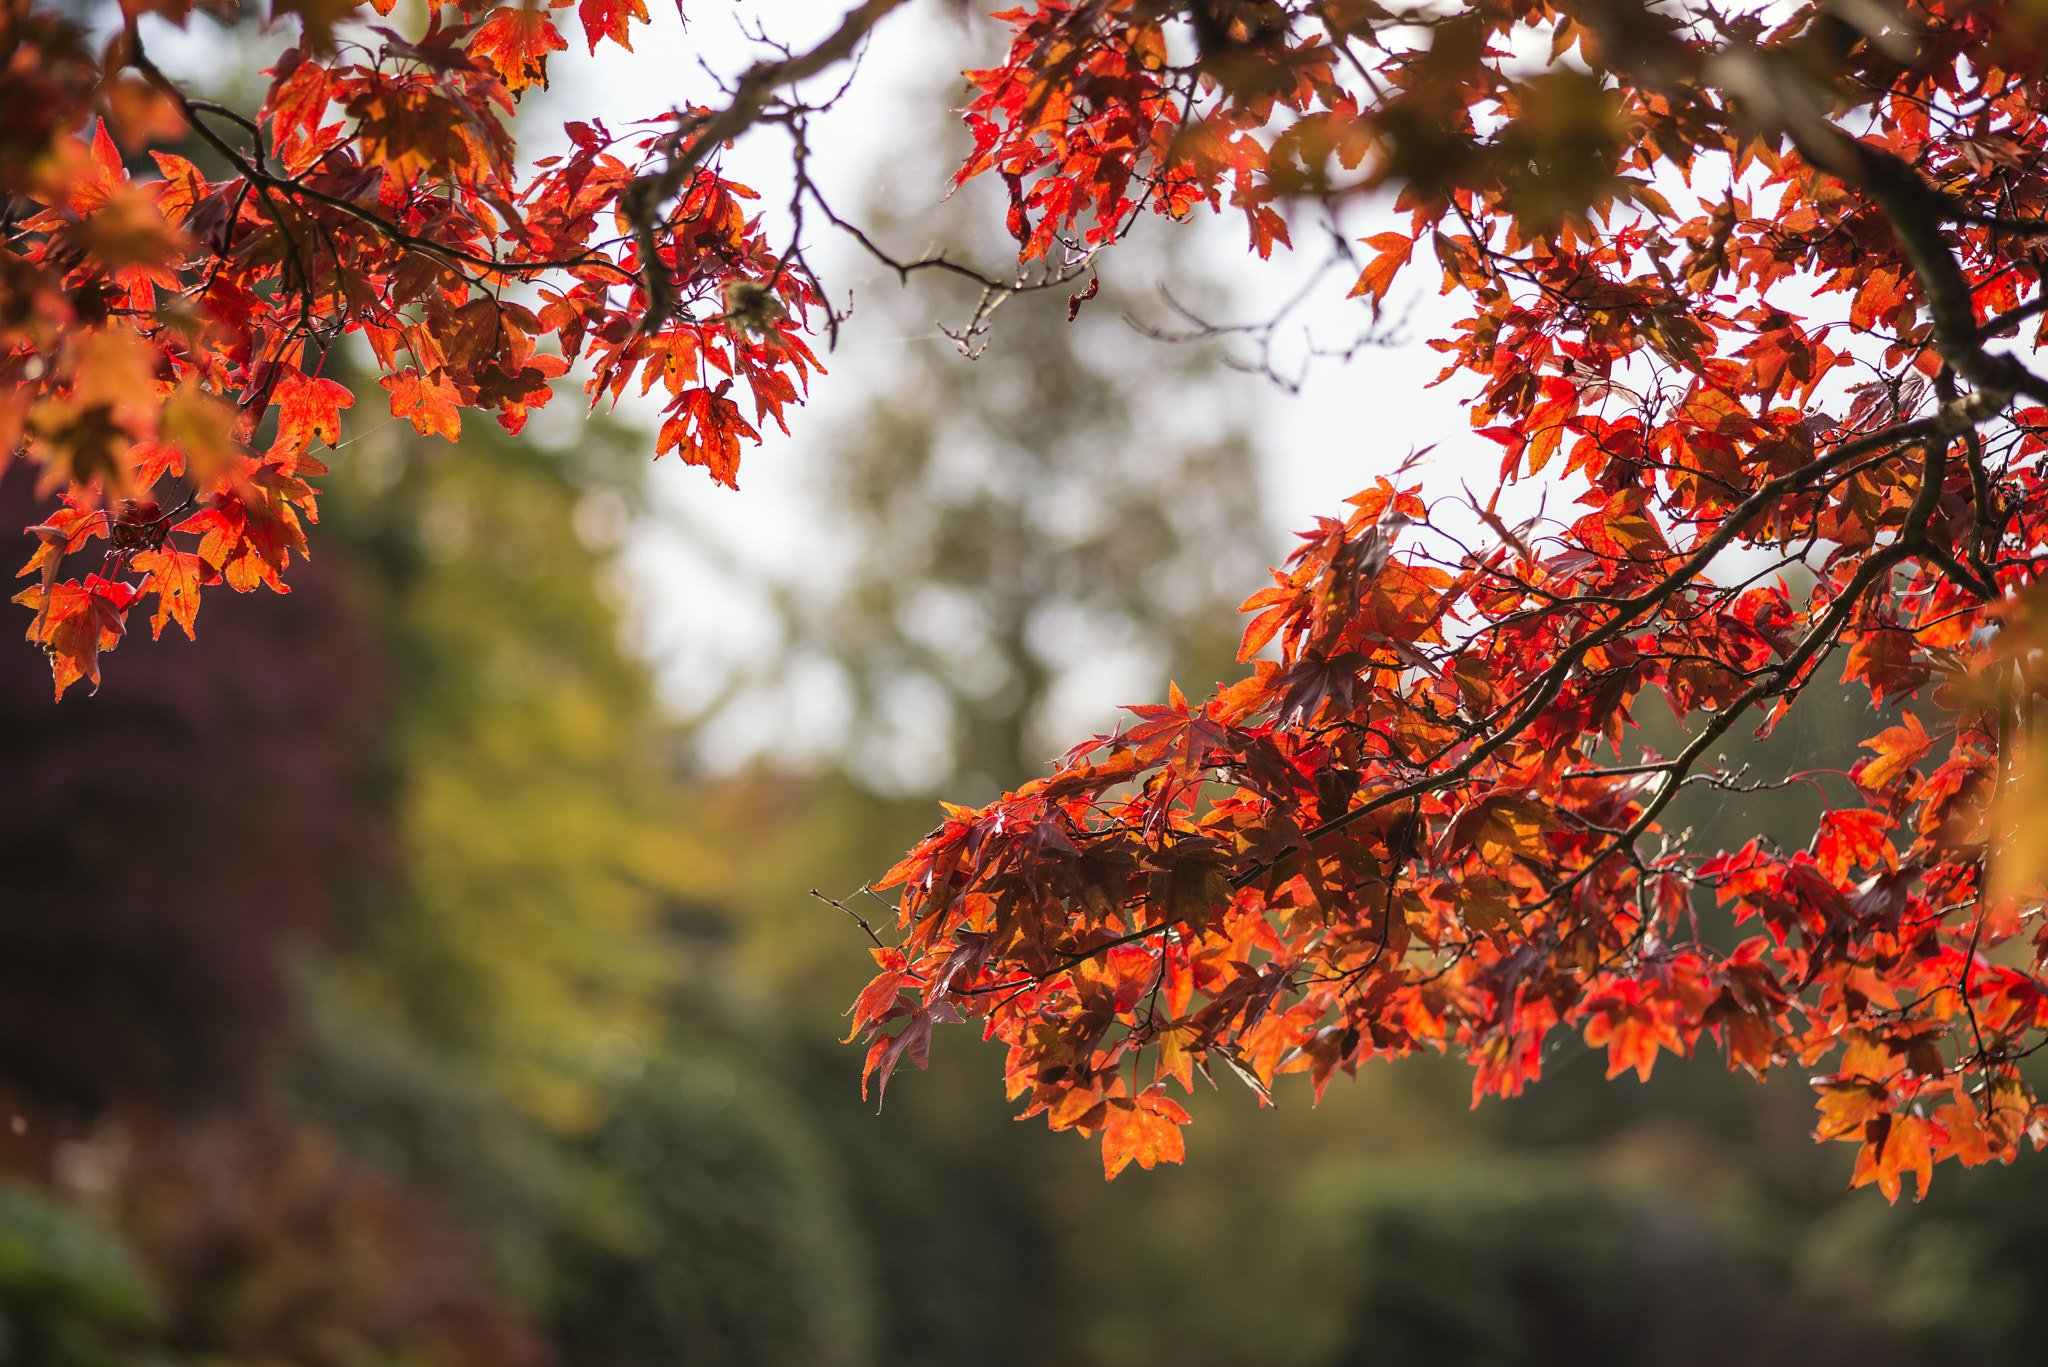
x,y
517,42
1393,251
142,114
1895,1145
430,403
611,19
1192,886
75,622
64,531
1898,748
246,541
200,429
1545,427
880,995
1888,660
83,445
1848,1106
175,577
1176,1057
1175,735
300,93
1966,1139
309,410
1144,1129
914,1039
1499,827
1634,1025
99,178
705,428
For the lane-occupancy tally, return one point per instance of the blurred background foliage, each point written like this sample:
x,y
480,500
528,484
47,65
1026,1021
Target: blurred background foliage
x,y
1022,532
444,1015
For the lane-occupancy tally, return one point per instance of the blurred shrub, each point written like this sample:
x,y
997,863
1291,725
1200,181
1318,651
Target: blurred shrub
x,y
67,1288
271,1246
738,1252
1498,1262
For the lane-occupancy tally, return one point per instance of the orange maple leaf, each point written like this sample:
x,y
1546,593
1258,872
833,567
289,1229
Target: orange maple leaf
x,y
1897,748
1846,1108
75,622
428,401
174,577
1894,1145
1633,1019
103,177
308,409
1378,277
64,531
1965,1137
1145,1128
1175,735
1632,1037
879,996
517,42
705,429
1500,827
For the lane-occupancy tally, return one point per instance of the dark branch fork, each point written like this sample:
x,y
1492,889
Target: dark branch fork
x,y
698,135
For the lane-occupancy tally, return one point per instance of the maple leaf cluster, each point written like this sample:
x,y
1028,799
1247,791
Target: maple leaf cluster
x,y
1421,822
163,337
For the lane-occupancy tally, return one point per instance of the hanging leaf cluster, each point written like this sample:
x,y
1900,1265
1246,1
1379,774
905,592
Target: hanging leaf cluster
x,y
1762,295
164,335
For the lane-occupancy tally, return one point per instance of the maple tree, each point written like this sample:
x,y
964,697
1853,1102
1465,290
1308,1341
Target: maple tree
x,y
1681,231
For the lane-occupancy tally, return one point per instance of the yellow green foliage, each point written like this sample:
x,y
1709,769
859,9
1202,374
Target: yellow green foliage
x,y
542,847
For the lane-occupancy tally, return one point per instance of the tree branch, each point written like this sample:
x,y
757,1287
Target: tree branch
x,y
697,135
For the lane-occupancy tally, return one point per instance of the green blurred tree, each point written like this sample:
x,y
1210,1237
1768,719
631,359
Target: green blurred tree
x,y
67,1287
540,841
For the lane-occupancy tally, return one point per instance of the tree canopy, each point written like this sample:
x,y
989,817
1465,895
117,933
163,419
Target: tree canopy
x,y
1739,287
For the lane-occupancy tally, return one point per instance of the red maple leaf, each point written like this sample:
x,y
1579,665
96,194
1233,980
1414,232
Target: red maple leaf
x,y
611,19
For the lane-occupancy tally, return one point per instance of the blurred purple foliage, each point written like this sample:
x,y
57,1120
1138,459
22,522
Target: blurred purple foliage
x,y
165,842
